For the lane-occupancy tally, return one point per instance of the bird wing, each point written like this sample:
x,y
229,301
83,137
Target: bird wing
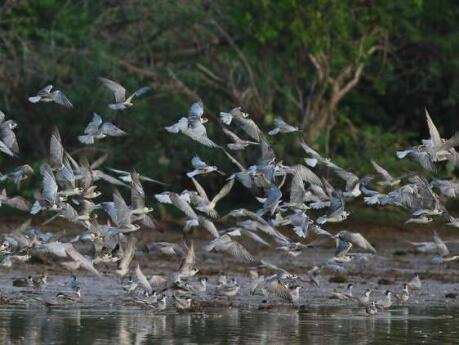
x,y
232,159
320,232
311,152
139,92
61,99
381,171
9,138
5,149
93,126
99,161
197,132
209,226
223,192
129,252
142,279
249,127
256,238
278,289
423,158
123,214
232,135
433,131
200,189
357,239
342,247
238,251
297,191
451,142
441,245
66,176
137,191
347,176
183,206
110,179
19,203
77,257
45,91
188,262
56,150
110,129
307,175
49,184
118,91
272,199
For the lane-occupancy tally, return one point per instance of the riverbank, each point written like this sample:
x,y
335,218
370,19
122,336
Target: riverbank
x,y
395,263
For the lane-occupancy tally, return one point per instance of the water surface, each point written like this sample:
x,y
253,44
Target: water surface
x,y
228,326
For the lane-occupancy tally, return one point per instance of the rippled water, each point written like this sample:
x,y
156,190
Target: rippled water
x,y
317,326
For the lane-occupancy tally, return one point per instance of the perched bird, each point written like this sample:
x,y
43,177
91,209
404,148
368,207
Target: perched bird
x,y
46,95
415,283
371,308
74,283
386,301
201,287
343,295
404,294
121,102
161,304
364,299
97,129
74,297
23,282
295,293
40,282
229,289
182,303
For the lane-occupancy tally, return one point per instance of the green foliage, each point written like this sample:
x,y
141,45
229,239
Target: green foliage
x,y
257,51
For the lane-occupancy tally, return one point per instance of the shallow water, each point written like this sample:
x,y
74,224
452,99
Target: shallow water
x,y
228,326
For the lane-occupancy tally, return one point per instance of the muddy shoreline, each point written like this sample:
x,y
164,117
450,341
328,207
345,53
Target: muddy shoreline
x,y
394,264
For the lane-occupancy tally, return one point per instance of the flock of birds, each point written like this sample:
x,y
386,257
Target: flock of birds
x,y
299,199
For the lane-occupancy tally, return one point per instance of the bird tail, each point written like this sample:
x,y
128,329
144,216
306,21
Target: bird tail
x,y
173,129
34,99
321,220
86,139
371,200
402,154
274,131
312,162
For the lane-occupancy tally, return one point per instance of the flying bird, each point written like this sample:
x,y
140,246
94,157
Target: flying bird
x,y
121,102
46,95
97,129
